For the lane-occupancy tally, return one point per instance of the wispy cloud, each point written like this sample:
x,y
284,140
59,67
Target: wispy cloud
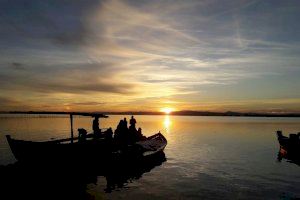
x,y
125,53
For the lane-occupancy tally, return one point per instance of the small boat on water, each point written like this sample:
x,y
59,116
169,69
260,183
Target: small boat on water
x,y
289,147
90,148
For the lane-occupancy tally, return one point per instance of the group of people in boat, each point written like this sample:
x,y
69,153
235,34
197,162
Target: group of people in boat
x,y
122,135
126,134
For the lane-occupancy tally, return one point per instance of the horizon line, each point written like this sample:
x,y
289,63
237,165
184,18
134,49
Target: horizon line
x,y
178,113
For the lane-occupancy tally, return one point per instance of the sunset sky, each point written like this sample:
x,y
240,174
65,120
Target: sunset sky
x,y
113,55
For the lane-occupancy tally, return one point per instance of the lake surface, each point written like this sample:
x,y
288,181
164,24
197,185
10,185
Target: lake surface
x,y
206,157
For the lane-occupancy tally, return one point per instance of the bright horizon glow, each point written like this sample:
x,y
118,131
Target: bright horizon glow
x,y
167,110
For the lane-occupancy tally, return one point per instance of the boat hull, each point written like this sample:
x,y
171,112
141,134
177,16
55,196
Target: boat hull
x,y
90,150
289,148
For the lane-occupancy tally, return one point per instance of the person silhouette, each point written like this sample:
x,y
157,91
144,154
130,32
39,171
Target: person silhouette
x,y
132,122
108,134
119,132
96,128
125,123
82,133
139,135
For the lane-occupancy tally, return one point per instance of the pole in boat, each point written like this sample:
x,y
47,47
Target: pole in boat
x,y
72,135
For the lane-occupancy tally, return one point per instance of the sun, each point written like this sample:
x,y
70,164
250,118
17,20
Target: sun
x,y
167,110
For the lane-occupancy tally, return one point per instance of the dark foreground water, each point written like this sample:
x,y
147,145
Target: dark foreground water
x,y
206,158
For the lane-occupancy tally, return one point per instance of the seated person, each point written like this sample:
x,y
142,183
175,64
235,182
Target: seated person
x,y
82,133
140,135
132,133
108,134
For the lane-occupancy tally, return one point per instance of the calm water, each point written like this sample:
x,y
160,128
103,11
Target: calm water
x,y
207,157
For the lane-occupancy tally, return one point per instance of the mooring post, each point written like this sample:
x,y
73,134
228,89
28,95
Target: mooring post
x,y
72,135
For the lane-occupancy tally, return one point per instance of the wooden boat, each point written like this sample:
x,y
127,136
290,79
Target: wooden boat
x,y
289,146
92,148
152,144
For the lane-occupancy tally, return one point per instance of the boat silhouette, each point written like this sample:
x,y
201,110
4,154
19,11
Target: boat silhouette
x,y
289,147
62,169
88,149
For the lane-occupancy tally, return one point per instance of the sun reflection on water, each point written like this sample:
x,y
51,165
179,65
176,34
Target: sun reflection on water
x,y
167,123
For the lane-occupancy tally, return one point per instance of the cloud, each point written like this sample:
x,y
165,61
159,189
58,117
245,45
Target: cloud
x,y
88,103
45,21
80,78
133,51
17,66
6,101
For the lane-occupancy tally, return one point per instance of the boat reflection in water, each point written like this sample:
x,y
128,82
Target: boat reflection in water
x,y
53,181
118,176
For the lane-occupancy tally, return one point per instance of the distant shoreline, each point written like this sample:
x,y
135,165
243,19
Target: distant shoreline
x,y
174,113
203,113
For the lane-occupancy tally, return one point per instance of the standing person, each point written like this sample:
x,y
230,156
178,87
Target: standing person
x,y
125,123
132,122
132,130
96,128
119,132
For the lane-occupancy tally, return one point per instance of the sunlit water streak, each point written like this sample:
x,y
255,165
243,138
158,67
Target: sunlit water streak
x,y
207,157
167,123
